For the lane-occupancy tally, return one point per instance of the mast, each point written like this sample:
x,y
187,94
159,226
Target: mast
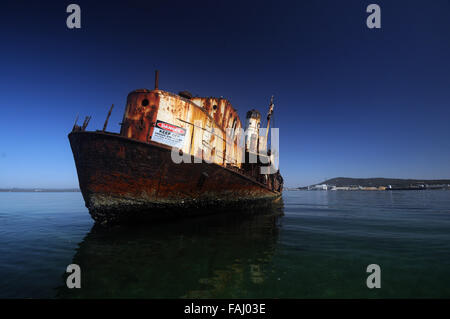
x,y
156,79
269,116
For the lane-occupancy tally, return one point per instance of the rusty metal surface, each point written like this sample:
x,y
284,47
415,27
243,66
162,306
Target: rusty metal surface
x,y
140,115
120,176
205,120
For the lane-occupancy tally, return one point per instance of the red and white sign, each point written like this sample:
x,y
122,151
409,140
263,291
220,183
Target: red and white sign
x,y
169,134
170,127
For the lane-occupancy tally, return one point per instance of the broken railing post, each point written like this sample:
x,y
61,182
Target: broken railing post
x,y
107,118
75,124
85,123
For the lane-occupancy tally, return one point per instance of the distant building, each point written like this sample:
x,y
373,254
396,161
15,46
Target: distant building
x,y
319,187
340,188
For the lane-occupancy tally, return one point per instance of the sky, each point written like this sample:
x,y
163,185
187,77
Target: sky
x,y
349,101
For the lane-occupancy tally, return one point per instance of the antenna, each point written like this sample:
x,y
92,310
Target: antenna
x,y
269,116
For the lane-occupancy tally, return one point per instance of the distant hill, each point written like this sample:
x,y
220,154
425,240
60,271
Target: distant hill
x,y
376,182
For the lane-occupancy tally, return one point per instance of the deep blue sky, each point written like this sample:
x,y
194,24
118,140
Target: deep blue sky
x,y
349,101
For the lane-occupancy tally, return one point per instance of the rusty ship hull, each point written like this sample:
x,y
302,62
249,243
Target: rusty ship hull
x,y
127,180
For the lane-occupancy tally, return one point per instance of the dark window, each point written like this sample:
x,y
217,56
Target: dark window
x,y
215,107
144,102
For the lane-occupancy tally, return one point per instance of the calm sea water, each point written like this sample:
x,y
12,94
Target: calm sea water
x,y
319,248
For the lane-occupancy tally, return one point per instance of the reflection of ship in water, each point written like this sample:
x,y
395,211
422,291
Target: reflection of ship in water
x,y
210,257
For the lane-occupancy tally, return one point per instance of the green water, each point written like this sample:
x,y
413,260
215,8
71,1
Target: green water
x,y
310,245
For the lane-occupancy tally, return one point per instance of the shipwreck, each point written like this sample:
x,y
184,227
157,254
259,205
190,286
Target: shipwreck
x,y
176,155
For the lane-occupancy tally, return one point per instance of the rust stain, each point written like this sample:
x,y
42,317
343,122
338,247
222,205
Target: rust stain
x,y
140,114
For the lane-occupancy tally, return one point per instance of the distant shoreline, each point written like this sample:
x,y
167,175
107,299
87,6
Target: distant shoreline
x,y
363,190
378,183
39,190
